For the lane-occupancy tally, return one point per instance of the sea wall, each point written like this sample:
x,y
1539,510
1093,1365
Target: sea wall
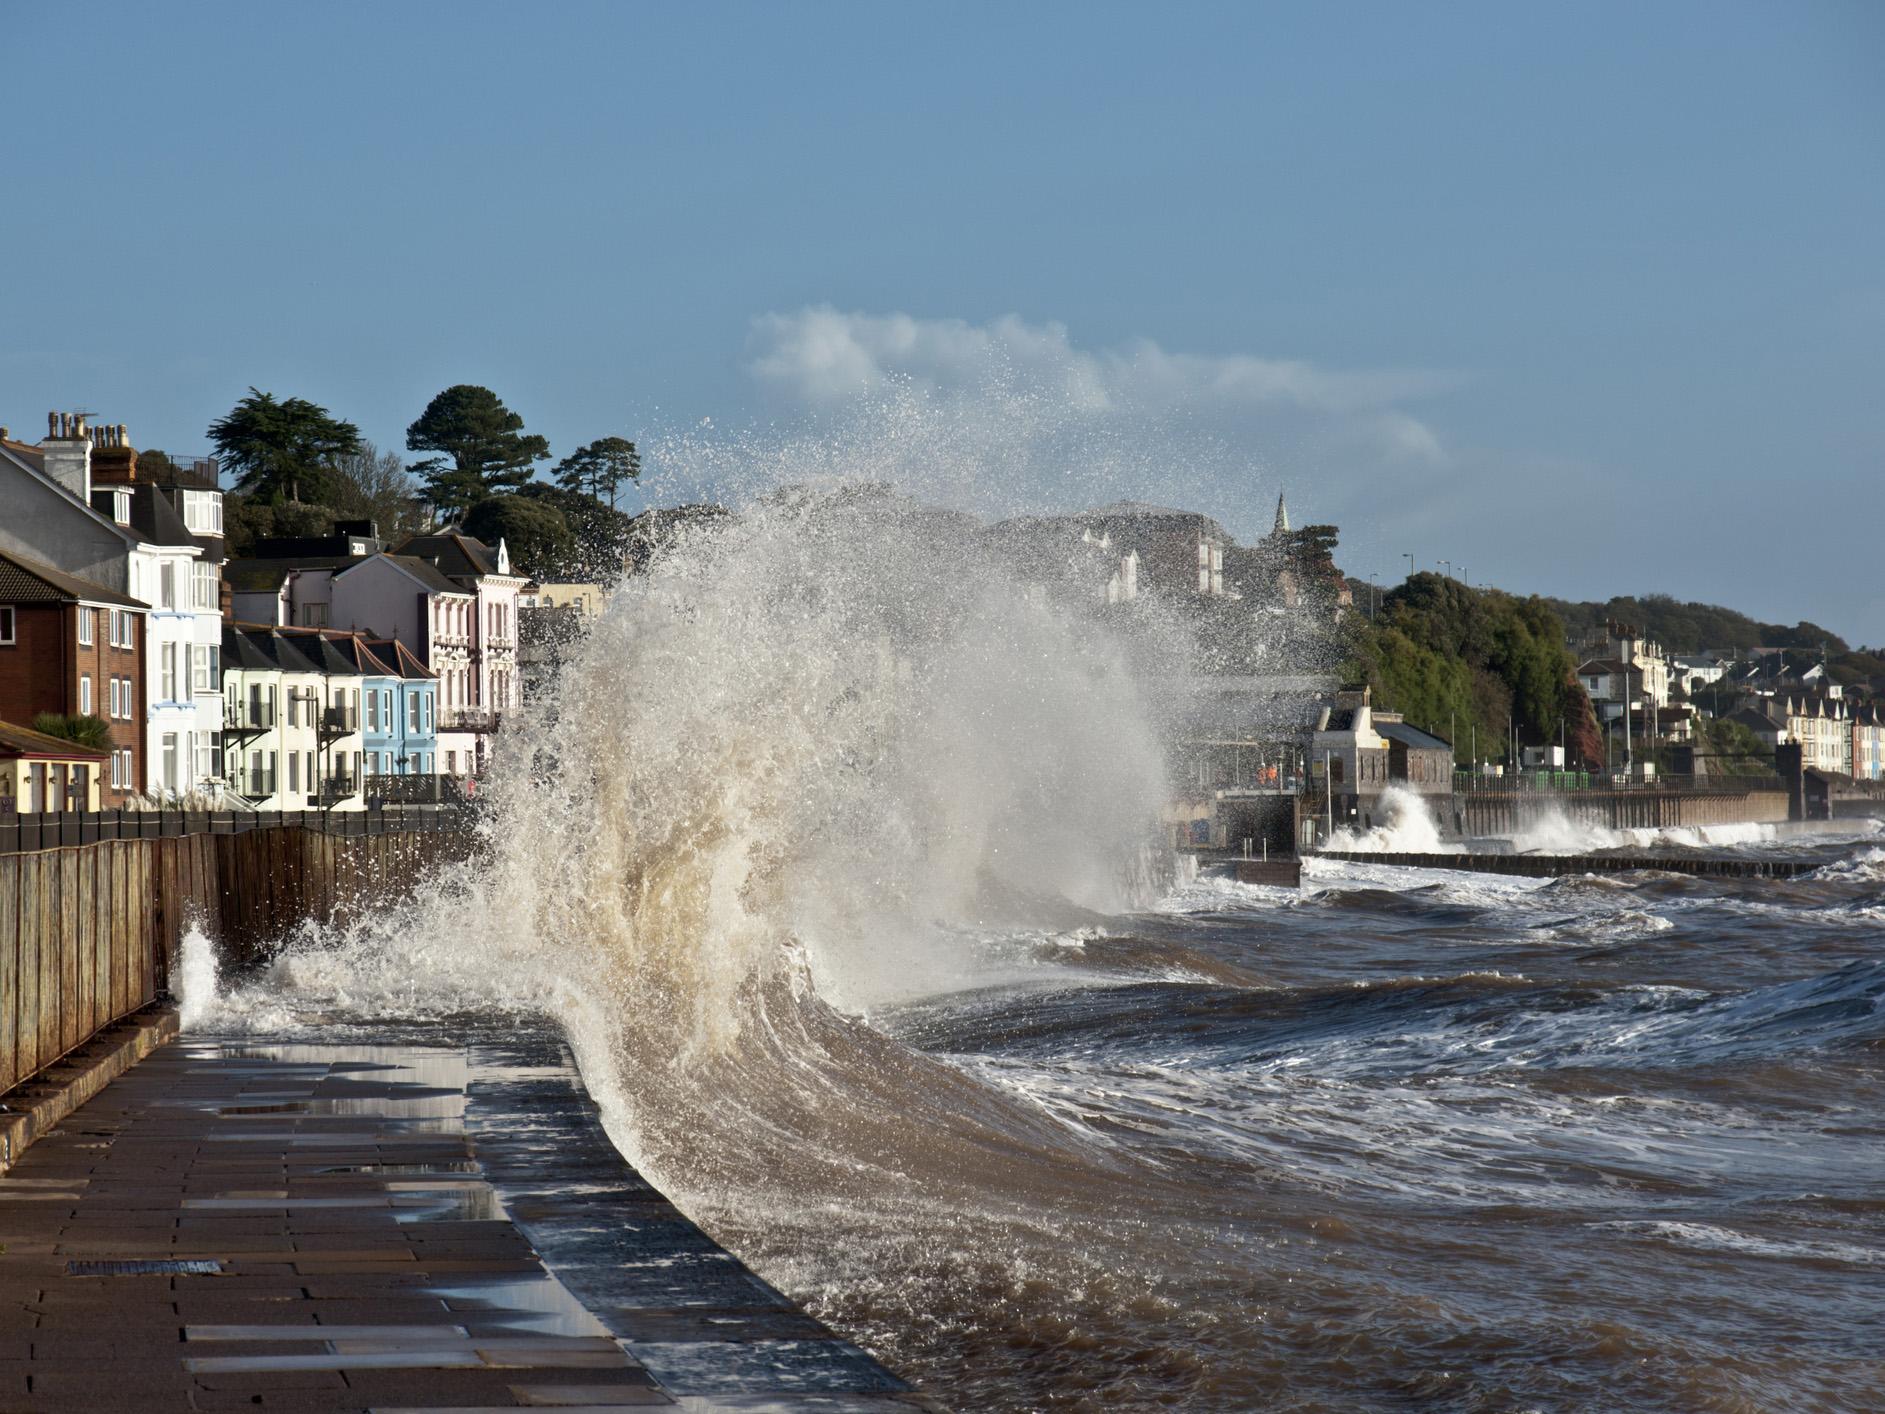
x,y
90,933
1476,814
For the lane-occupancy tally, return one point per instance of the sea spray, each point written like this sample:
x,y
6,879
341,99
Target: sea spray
x,y
197,978
1407,827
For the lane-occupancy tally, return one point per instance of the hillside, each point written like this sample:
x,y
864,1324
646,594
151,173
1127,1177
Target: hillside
x,y
1689,628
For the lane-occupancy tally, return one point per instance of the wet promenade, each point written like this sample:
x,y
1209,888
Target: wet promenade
x,y
386,1227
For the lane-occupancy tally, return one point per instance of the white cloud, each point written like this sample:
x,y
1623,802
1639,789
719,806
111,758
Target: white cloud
x,y
820,356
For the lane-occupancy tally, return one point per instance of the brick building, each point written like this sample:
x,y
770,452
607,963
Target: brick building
x,y
76,648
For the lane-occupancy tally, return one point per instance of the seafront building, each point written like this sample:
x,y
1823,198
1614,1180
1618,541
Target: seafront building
x,y
74,648
40,773
407,739
120,536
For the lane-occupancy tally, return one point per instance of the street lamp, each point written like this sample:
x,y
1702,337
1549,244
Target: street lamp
x,y
1410,564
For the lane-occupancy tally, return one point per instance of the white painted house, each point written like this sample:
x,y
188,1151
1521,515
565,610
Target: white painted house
x,y
122,535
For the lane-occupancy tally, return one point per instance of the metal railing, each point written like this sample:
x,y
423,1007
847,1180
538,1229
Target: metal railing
x,y
255,784
338,721
249,717
468,719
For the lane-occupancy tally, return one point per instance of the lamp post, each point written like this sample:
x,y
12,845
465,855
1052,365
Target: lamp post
x,y
1410,564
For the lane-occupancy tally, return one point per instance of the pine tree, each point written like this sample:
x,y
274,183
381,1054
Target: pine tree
x,y
600,468
481,447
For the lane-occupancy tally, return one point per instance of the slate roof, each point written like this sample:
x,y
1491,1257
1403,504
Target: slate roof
x,y
156,520
24,741
398,658
456,555
24,581
1412,737
420,569
264,576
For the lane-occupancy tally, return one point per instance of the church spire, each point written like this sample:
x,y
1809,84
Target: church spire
x,y
1282,517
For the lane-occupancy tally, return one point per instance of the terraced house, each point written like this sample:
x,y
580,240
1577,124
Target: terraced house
x,y
124,535
73,648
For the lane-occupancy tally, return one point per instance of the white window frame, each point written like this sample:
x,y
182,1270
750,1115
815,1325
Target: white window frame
x,y
88,627
85,694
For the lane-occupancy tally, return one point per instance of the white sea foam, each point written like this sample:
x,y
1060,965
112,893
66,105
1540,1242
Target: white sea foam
x,y
197,979
1407,827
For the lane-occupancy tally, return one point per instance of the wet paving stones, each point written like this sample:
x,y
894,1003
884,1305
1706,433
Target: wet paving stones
x,y
405,1226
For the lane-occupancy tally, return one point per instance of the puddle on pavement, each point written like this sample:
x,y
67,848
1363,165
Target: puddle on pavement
x,y
542,1304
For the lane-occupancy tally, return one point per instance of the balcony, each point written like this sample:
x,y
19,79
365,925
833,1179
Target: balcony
x,y
336,789
247,719
255,784
467,719
337,722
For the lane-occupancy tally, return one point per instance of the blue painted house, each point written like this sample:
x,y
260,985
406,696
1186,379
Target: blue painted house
x,y
408,713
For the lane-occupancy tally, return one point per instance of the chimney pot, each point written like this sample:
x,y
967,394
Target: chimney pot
x,y
123,440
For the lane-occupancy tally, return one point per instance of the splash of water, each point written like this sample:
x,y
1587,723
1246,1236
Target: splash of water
x,y
197,979
1407,827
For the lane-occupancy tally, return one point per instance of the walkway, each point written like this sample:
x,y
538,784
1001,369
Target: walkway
x,y
386,1227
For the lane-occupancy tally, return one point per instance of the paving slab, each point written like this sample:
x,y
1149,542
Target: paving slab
x,y
412,1224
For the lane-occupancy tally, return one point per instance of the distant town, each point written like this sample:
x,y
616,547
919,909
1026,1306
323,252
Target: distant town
x,y
296,620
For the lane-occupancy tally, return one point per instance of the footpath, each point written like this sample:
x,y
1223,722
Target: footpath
x,y
407,1223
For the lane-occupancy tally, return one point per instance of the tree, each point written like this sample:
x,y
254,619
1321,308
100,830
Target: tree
x,y
480,444
600,534
536,534
376,486
247,520
600,468
81,728
278,450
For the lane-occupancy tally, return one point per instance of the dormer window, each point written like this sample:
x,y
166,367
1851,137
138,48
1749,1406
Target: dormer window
x,y
121,507
203,512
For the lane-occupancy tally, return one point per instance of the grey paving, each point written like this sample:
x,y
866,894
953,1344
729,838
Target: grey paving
x,y
411,1225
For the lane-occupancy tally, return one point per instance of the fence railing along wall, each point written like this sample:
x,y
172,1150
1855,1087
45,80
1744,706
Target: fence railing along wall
x,y
89,933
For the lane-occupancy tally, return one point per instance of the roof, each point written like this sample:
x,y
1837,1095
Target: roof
x,y
422,570
1412,737
457,555
264,576
155,519
1605,665
27,452
398,658
24,741
24,581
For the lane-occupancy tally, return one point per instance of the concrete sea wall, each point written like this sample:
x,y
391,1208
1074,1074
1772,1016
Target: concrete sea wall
x,y
89,934
1476,814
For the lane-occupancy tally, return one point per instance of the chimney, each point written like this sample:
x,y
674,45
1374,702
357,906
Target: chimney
x,y
114,463
68,453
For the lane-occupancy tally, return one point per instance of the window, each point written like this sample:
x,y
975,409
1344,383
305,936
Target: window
x,y
85,694
171,762
294,770
203,512
117,767
373,711
6,623
412,711
294,708
203,595
114,698
386,708
170,672
167,585
87,628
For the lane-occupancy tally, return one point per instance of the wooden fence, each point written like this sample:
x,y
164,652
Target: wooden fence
x,y
89,934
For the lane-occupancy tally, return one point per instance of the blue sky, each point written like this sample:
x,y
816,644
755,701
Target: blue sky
x,y
1589,299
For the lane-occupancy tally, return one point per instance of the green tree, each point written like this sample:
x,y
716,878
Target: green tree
x,y
247,520
80,728
481,447
600,534
600,468
536,534
280,450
